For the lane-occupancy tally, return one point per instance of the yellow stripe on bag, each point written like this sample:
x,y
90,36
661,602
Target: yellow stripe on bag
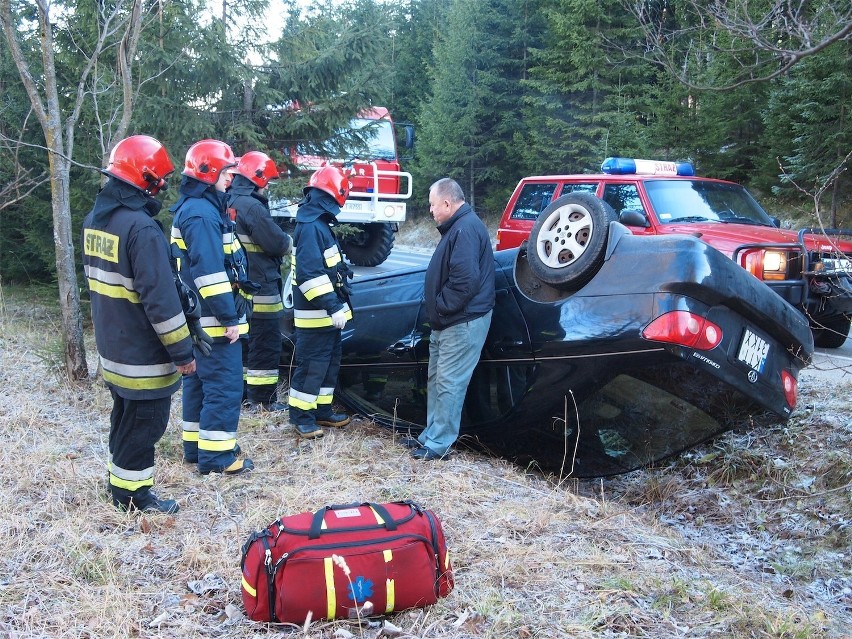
x,y
251,591
379,520
390,590
391,595
330,596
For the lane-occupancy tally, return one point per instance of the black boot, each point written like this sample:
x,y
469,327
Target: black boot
x,y
146,502
336,420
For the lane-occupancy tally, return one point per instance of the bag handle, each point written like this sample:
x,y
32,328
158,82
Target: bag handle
x,y
319,516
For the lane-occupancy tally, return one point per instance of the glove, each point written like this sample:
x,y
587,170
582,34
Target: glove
x,y
338,319
200,340
243,305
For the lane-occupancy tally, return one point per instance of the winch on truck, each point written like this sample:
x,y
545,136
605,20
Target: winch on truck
x,y
376,204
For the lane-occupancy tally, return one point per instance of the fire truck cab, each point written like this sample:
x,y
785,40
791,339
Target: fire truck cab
x,y
379,188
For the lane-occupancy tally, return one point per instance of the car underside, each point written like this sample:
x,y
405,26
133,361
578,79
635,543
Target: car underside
x,y
667,344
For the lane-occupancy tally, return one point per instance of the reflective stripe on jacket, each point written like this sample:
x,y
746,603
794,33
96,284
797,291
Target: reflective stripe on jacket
x,y
315,274
265,243
207,243
140,329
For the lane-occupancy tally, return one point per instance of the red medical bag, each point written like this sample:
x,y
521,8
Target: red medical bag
x,y
334,561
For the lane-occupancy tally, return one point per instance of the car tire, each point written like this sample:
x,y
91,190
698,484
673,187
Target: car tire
x,y
370,245
831,332
568,240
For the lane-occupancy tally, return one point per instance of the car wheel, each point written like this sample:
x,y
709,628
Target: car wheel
x,y
370,245
568,241
831,332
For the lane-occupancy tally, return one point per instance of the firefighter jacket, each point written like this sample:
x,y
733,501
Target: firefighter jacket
x,y
264,242
140,329
320,286
212,261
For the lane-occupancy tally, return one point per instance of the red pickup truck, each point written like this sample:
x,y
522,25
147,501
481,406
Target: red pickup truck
x,y
811,269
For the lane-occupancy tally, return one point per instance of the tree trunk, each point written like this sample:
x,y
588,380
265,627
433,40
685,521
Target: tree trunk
x,y
49,114
69,291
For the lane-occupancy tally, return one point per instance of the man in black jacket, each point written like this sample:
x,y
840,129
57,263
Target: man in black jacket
x,y
266,245
459,292
140,328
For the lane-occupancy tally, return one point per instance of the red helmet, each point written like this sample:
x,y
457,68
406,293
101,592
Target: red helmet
x,y
258,167
142,161
331,180
206,159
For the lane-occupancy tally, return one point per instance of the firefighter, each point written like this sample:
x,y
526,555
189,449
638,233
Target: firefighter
x,y
140,329
266,245
320,304
212,263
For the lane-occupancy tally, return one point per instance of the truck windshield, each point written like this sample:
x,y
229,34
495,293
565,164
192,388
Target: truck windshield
x,y
378,137
699,200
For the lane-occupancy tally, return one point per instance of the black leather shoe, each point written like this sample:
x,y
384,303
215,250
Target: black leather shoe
x,y
238,467
335,420
410,442
309,431
426,454
148,503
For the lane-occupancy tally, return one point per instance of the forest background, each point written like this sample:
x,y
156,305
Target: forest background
x,y
497,89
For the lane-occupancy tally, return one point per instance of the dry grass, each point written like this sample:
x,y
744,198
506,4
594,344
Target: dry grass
x,y
532,559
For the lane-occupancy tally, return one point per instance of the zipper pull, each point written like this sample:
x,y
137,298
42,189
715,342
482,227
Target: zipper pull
x,y
281,560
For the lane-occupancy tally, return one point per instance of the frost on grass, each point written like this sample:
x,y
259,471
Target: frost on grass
x,y
746,537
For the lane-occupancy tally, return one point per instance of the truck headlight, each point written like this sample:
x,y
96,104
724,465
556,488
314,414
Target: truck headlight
x,y
774,265
766,264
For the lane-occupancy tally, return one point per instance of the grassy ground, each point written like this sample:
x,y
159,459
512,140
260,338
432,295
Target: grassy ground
x,y
746,537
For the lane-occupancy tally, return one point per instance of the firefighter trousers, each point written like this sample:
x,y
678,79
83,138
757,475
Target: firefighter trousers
x,y
262,359
211,407
136,425
317,358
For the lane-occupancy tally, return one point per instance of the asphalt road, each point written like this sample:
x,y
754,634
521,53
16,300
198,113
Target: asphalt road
x,y
835,363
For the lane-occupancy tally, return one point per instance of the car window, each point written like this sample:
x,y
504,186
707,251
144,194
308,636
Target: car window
x,y
573,187
687,200
623,196
532,200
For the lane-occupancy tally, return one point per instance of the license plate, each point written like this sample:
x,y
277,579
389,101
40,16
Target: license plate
x,y
837,265
753,351
353,206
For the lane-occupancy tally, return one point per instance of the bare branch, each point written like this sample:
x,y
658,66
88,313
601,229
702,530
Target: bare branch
x,y
759,44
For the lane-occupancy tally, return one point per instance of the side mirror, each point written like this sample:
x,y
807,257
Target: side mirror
x,y
776,222
409,136
633,217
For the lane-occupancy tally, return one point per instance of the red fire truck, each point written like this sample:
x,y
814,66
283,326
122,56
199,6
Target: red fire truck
x,y
376,204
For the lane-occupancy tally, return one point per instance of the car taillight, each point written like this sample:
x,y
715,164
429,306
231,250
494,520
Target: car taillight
x,y
684,328
791,388
766,264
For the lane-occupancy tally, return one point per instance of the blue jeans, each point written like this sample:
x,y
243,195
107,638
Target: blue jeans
x,y
453,354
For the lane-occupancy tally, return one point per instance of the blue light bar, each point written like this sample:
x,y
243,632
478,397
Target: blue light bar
x,y
631,166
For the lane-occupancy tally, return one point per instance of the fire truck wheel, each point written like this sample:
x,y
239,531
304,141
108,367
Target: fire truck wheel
x,y
831,332
568,241
370,246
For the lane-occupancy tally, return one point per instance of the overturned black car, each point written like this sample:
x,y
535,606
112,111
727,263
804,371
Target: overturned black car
x,y
634,349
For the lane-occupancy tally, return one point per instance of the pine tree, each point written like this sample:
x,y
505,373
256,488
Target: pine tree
x,y
469,122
